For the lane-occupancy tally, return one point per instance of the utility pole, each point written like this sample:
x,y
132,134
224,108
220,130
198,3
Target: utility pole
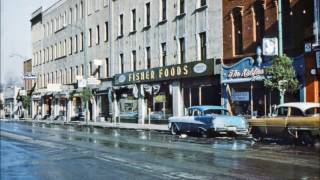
x,y
280,27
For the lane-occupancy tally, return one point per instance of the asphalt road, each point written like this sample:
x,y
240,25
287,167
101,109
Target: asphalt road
x,y
44,151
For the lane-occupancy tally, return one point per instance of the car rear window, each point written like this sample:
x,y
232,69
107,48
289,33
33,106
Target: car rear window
x,y
282,111
216,111
312,111
296,112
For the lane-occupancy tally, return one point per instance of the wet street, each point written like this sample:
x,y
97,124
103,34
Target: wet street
x,y
47,151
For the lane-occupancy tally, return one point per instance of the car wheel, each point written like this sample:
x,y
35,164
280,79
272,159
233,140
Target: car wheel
x,y
256,134
174,130
203,133
305,138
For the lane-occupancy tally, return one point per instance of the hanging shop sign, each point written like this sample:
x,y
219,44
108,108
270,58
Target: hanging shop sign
x,y
244,71
193,69
270,46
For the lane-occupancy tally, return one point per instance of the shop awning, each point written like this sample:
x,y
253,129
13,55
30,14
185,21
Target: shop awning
x,y
241,80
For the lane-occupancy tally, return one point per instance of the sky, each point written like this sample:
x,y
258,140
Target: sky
x,y
16,35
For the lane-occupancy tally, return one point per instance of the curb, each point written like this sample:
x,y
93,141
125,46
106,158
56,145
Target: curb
x,y
116,126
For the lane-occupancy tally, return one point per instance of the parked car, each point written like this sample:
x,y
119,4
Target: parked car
x,y
299,120
208,120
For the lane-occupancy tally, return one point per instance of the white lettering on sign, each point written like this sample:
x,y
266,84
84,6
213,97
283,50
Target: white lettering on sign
x,y
246,73
240,96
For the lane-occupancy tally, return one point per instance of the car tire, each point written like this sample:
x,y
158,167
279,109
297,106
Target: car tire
x,y
174,130
305,138
256,134
203,133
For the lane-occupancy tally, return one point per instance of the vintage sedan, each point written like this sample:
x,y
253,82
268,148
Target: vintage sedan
x,y
299,120
208,120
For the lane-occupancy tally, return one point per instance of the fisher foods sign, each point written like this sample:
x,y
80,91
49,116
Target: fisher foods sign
x,y
192,69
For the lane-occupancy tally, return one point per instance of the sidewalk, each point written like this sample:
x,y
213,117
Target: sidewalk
x,y
156,127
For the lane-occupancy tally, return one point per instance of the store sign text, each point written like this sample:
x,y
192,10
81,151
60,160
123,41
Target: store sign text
x,y
192,69
246,73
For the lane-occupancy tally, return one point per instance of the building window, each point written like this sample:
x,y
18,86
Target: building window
x,y
70,45
237,31
97,34
90,69
203,46
181,7
71,75
202,3
121,25
81,10
76,13
65,47
121,64
65,18
76,44
90,38
81,41
163,54
70,16
52,27
133,61
148,58
182,50
106,31
147,14
107,68
163,10
259,22
133,20
81,70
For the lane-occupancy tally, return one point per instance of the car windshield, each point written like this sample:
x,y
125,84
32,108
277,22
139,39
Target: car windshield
x,y
312,111
216,111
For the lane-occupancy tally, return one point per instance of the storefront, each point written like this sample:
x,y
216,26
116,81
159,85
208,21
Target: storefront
x,y
154,95
243,88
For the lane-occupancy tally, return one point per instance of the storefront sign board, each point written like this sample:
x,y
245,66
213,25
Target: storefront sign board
x,y
240,96
192,69
245,70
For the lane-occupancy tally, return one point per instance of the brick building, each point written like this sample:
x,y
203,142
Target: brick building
x,y
27,71
247,22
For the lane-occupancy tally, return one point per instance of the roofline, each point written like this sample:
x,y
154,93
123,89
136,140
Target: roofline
x,y
54,5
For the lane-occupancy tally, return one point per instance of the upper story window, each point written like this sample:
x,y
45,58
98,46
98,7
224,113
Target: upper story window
x,y
107,68
97,3
148,58
163,54
97,34
81,10
236,20
65,18
70,16
121,64
203,46
133,61
76,13
202,3
44,30
90,37
133,20
120,33
81,41
163,10
181,7
70,45
182,50
258,21
147,14
76,44
106,31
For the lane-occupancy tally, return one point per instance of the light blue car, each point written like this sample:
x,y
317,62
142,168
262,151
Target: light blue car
x,y
208,120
